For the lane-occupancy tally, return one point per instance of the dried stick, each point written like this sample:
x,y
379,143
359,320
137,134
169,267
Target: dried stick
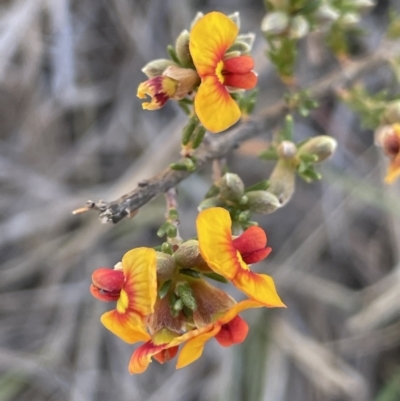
x,y
220,145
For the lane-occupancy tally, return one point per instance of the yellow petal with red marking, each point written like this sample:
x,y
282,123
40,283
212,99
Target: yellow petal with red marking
x,y
259,287
215,241
210,38
141,358
193,349
140,269
128,326
214,106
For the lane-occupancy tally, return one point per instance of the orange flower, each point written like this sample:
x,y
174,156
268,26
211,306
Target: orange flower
x,y
389,139
228,329
229,257
210,38
135,290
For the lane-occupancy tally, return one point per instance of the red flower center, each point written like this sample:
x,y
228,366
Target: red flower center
x,y
237,72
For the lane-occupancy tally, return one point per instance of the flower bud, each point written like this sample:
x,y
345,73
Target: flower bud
x,y
188,255
392,113
327,13
322,146
182,48
287,150
165,266
299,27
263,202
243,43
350,19
210,202
231,187
282,181
363,4
235,17
187,79
157,67
275,23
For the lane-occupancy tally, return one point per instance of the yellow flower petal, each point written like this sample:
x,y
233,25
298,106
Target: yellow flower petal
x,y
393,171
259,287
215,241
128,326
141,358
140,269
214,106
193,349
210,38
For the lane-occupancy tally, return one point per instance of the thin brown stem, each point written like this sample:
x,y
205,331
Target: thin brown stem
x,y
217,147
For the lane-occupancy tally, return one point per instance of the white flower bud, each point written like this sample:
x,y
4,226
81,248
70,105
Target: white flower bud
x,y
299,27
322,146
263,202
231,187
157,67
350,19
275,23
327,13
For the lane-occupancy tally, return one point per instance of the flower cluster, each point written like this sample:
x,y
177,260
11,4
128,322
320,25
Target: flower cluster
x,y
211,61
164,300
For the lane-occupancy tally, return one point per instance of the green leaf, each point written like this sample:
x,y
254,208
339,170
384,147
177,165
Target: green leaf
x,y
163,229
166,248
188,130
259,186
269,154
163,291
186,295
216,277
191,273
172,53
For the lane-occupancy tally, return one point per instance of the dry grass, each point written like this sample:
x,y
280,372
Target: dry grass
x,y
72,129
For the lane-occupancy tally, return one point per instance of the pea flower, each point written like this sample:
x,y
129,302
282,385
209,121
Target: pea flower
x,y
388,137
135,290
230,257
210,39
228,329
164,301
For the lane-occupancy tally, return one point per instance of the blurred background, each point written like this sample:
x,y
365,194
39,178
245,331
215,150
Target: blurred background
x,y
73,129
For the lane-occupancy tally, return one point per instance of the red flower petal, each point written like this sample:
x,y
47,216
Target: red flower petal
x,y
233,332
166,354
242,81
253,239
109,280
256,256
102,295
238,65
